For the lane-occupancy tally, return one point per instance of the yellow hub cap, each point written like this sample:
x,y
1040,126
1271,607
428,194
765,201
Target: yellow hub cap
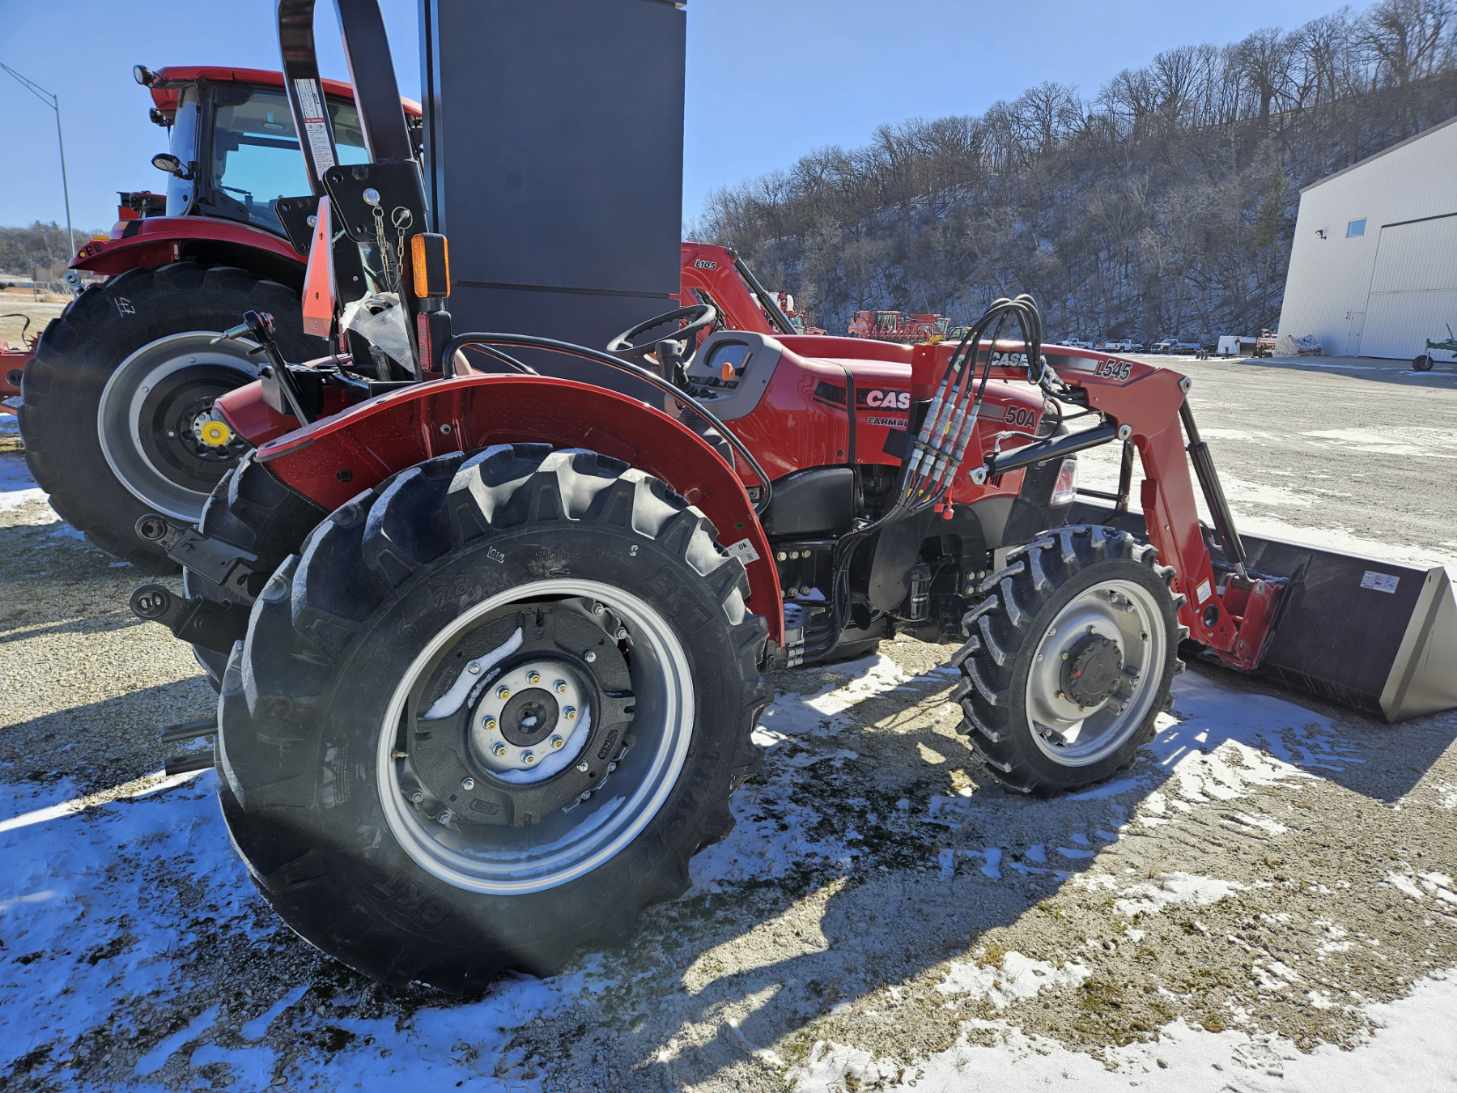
x,y
215,434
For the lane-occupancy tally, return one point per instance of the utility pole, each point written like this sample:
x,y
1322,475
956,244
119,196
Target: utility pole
x,y
54,102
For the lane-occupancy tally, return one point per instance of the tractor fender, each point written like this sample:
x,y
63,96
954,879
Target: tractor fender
x,y
157,240
334,458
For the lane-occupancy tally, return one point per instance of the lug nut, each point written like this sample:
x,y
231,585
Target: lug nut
x,y
473,668
598,609
446,816
533,678
528,757
498,749
622,633
417,798
557,742
589,656
569,712
467,783
490,724
560,686
503,693
583,766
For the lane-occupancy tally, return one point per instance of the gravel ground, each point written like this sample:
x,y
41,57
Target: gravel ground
x,y
1241,905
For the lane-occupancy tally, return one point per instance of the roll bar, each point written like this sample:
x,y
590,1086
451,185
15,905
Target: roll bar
x,y
378,204
371,71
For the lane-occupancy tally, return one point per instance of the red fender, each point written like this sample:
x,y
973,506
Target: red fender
x,y
157,240
336,457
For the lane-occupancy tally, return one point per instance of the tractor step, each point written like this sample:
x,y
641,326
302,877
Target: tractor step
x,y
204,728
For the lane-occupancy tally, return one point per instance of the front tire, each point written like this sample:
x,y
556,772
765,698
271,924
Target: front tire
x,y
1422,362
1069,659
415,734
120,385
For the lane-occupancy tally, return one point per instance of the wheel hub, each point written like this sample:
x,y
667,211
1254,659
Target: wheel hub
x,y
1092,670
536,708
537,726
153,414
525,828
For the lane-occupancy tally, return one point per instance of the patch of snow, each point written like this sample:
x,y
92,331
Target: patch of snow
x,y
1172,889
771,830
257,1028
155,1059
17,487
1016,977
1410,1047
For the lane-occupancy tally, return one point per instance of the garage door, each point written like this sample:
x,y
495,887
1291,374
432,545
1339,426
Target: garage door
x,y
1413,287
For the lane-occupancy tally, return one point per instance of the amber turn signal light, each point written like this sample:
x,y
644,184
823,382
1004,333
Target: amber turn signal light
x,y
430,265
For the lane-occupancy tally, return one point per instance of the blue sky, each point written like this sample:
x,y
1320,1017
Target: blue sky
x,y
767,81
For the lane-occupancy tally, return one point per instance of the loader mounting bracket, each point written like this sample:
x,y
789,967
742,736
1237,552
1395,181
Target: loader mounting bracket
x,y
215,626
230,568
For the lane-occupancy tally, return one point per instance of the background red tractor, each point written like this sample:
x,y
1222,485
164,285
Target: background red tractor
x,y
898,326
121,385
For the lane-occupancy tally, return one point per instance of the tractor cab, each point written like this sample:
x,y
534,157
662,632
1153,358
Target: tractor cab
x,y
233,148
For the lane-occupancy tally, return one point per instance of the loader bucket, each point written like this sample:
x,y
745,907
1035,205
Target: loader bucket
x,y
1372,635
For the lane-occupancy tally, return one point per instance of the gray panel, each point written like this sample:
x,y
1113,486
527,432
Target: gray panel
x,y
555,132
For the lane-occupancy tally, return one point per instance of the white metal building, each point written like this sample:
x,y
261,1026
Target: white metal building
x,y
1373,270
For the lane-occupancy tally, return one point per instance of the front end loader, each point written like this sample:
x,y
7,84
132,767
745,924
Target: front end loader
x,y
491,644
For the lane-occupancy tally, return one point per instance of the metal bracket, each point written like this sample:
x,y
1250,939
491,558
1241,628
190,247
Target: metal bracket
x,y
212,625
227,566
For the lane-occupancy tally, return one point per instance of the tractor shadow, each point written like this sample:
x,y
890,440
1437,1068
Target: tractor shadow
x,y
907,852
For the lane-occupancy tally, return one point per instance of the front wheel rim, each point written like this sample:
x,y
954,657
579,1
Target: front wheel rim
x,y
568,845
126,432
1123,614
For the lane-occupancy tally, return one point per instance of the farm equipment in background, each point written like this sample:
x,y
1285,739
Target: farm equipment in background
x,y
1423,362
13,359
898,326
492,643
1265,344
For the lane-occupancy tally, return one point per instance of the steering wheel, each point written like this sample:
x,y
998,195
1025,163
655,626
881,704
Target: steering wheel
x,y
670,352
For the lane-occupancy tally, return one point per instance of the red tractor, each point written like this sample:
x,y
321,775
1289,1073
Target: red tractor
x,y
492,643
117,417
897,326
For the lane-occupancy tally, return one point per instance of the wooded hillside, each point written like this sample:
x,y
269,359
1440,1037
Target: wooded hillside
x,y
1164,205
41,251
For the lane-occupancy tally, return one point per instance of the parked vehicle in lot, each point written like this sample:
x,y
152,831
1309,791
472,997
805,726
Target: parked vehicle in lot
x,y
1177,348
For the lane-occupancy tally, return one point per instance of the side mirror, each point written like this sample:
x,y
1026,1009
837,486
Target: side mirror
x,y
169,164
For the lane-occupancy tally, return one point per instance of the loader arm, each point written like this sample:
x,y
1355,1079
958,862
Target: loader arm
x,y
1146,407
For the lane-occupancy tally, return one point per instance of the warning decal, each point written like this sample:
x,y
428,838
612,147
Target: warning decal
x,y
316,129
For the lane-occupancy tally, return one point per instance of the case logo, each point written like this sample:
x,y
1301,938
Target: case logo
x,y
888,400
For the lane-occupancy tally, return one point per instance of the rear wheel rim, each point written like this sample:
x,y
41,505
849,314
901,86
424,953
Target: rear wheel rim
x,y
1121,612
137,437
567,845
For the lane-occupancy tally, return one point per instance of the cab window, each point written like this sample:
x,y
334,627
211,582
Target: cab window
x,y
255,151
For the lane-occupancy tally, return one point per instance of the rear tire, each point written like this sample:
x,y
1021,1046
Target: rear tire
x,y
1046,700
117,383
1422,363
338,807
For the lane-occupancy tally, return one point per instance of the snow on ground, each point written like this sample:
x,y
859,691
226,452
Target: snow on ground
x,y
98,919
1014,978
16,485
1410,1049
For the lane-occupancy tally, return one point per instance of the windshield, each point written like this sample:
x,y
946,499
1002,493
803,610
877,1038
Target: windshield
x,y
255,153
